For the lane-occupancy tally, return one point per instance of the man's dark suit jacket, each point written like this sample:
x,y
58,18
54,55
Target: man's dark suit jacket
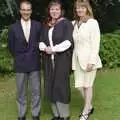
x,y
26,54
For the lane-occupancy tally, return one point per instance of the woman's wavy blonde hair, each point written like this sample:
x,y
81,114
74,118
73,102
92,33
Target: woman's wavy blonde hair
x,y
83,3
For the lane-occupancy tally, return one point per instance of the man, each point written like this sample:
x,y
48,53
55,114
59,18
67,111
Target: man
x,y
23,39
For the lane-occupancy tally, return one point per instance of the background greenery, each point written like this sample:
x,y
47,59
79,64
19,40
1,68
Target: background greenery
x,y
106,11
109,51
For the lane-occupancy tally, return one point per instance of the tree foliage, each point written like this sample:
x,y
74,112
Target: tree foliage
x,y
7,12
105,11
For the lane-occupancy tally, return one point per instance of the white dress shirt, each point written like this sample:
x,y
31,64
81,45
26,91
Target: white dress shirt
x,y
26,25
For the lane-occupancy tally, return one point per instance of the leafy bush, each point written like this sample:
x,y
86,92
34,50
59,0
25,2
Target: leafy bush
x,y
5,57
4,37
110,49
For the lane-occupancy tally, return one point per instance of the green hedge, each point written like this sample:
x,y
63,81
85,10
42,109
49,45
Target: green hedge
x,y
109,51
6,61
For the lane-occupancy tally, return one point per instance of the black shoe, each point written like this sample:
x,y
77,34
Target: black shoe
x,y
91,110
66,118
35,117
22,118
85,116
55,118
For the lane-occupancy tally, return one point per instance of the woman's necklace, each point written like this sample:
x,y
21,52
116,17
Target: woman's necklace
x,y
79,23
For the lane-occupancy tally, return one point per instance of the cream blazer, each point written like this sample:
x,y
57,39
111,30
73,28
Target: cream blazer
x,y
86,44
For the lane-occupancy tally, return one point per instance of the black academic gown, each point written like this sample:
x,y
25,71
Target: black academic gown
x,y
57,82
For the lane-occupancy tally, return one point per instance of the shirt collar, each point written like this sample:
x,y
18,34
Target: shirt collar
x,y
23,21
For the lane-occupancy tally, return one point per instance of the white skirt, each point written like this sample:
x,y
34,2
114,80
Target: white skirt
x,y
83,78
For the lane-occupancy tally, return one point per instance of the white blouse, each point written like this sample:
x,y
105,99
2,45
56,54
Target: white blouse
x,y
50,40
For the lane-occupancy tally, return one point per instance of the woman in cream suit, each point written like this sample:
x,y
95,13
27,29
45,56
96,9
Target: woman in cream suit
x,y
86,60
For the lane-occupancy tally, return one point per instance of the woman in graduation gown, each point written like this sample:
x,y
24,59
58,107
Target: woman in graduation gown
x,y
56,44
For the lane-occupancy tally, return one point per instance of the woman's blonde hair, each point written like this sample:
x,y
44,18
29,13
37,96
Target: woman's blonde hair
x,y
83,3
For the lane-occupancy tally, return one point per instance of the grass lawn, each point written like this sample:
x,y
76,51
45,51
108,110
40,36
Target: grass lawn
x,y
106,98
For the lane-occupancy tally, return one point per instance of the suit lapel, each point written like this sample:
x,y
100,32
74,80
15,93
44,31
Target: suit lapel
x,y
31,31
21,33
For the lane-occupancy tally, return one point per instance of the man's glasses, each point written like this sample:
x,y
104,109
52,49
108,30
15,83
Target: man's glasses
x,y
26,10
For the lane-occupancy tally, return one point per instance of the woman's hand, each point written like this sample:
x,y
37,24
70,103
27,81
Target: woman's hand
x,y
48,50
89,67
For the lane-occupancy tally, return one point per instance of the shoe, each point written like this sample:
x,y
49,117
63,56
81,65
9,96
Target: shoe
x,y
67,118
90,111
35,117
22,118
85,116
55,118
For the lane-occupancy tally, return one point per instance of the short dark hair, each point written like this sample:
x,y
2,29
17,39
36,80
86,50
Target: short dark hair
x,y
26,2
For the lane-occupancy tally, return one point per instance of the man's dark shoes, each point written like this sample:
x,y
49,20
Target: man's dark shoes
x,y
35,117
55,118
67,118
21,118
